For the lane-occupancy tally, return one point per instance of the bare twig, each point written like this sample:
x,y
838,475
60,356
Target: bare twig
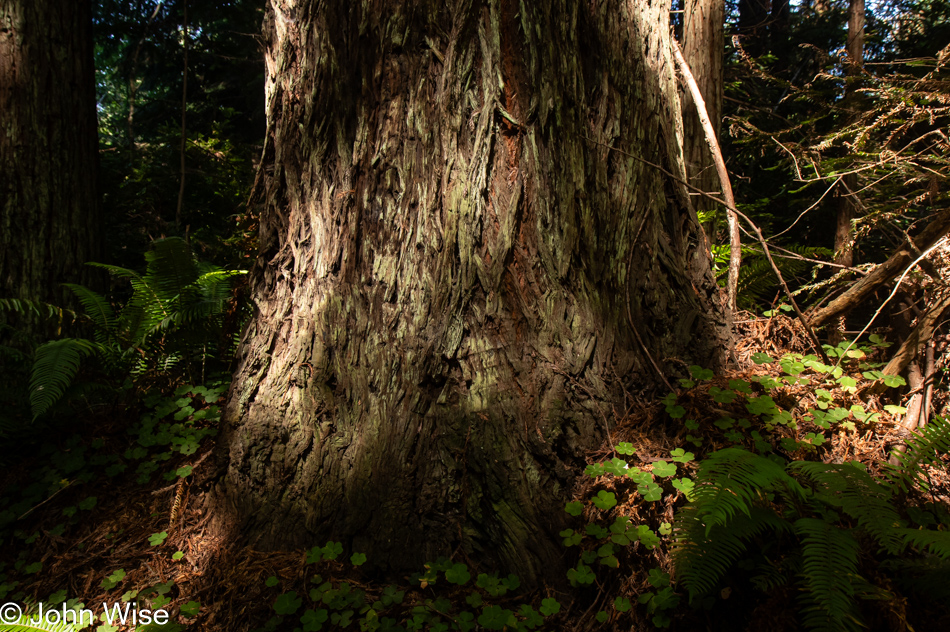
x,y
49,498
802,214
863,289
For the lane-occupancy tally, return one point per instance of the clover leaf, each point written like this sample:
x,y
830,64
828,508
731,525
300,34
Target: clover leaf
x,y
287,603
604,500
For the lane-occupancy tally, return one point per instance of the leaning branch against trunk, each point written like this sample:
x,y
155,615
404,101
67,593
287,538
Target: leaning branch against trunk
x,y
866,286
735,242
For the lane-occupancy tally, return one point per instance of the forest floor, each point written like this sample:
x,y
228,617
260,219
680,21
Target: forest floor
x,y
115,513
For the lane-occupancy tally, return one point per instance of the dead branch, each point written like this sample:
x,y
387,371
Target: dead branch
x,y
921,335
883,273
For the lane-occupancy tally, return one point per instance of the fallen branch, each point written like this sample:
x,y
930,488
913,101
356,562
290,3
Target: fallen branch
x,y
865,287
921,335
890,296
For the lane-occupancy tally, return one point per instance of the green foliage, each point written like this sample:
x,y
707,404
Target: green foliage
x,y
173,320
334,604
139,97
55,364
923,448
829,571
30,622
823,511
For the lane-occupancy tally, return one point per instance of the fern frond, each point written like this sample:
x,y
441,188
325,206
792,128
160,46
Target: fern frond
x,y
923,449
729,481
142,311
32,623
860,496
97,309
37,308
13,354
201,300
119,271
829,574
171,268
702,555
936,542
55,364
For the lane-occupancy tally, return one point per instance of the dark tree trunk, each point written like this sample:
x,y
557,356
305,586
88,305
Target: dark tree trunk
x,y
848,205
753,25
780,22
703,43
451,262
49,208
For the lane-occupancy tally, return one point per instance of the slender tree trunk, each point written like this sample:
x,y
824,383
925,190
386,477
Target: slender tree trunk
x,y
184,113
49,219
452,261
753,25
847,209
703,44
779,24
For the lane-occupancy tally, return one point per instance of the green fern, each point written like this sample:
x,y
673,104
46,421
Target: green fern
x,y
829,571
730,481
55,364
171,269
728,509
97,309
923,449
854,491
703,556
823,512
935,542
756,277
38,309
175,310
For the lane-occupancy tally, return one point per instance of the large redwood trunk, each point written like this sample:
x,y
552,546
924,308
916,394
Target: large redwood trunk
x,y
451,262
49,220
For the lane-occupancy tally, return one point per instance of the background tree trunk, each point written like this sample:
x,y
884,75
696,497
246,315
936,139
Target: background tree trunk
x,y
451,262
703,46
847,209
753,25
49,206
847,205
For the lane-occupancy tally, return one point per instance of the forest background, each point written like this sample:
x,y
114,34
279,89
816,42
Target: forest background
x,y
802,483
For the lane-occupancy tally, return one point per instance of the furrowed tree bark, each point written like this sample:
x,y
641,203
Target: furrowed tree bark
x,y
447,263
895,264
49,207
